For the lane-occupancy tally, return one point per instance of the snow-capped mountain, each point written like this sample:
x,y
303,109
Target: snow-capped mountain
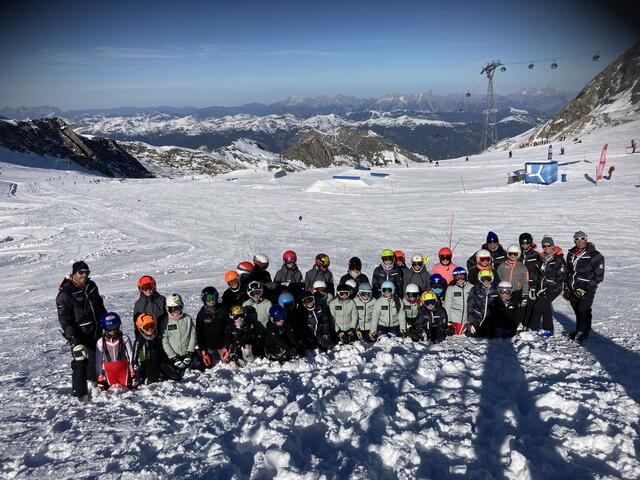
x,y
54,138
609,99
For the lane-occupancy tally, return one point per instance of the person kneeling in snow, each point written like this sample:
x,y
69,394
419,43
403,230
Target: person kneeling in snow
x,y
243,338
114,355
318,332
507,313
481,302
388,314
345,314
179,336
431,324
281,343
149,359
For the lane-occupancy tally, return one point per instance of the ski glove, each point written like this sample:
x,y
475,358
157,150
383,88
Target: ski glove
x,y
206,359
524,302
177,362
579,292
532,294
80,353
187,359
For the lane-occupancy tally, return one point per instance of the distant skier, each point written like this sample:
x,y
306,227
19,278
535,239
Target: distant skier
x,y
510,154
80,307
585,271
633,145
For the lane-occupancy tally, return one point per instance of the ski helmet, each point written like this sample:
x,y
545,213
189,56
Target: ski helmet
x,y
365,287
343,288
437,279
174,300
322,260
245,267
417,258
483,253
388,285
277,313
445,253
209,294
460,271
352,284
355,264
505,286
308,299
319,284
254,288
485,273
399,254
412,288
286,298
146,282
514,249
429,298
289,257
525,238
110,321
146,323
230,275
237,311
387,253
261,261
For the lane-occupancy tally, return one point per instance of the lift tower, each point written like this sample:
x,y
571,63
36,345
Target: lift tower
x,y
490,132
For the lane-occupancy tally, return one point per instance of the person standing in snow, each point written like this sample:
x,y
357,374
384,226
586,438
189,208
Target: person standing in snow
x,y
530,258
514,272
411,305
387,271
483,261
114,355
234,294
455,303
319,330
366,329
281,343
345,314
417,273
480,304
211,322
498,253
149,301
149,358
585,271
80,307
507,314
445,266
320,271
552,276
257,307
431,324
179,335
354,273
289,277
388,314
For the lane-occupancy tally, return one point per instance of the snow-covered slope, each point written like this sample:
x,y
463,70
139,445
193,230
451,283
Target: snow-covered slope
x,y
521,408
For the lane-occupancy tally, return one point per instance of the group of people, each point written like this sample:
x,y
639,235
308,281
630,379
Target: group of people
x,y
496,293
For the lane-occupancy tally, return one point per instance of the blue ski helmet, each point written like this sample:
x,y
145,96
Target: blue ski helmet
x,y
110,321
388,284
460,271
285,298
437,279
276,313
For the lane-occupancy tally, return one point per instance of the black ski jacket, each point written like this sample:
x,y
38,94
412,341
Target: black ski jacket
x,y
531,259
430,325
381,275
316,274
552,272
281,342
481,302
585,269
79,312
211,324
155,304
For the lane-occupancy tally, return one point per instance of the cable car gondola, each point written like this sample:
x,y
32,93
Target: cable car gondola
x,y
554,65
503,69
596,57
467,94
531,66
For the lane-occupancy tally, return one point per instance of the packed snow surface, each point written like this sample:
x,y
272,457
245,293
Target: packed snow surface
x,y
521,408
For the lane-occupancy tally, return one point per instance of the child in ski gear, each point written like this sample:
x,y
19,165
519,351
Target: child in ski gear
x,y
482,262
80,307
431,323
355,273
345,314
319,287
234,295
507,313
497,252
438,285
319,330
149,301
552,274
178,334
410,305
211,323
289,277
366,328
416,274
320,271
245,271
514,272
388,314
481,303
114,355
400,259
260,266
257,307
445,266
149,358
387,271
243,338
353,287
281,343
585,271
455,303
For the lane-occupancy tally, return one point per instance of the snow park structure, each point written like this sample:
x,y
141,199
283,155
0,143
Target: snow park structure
x,y
542,173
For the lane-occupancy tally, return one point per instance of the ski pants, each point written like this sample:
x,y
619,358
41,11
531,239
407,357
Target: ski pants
x,y
542,309
81,372
582,308
527,316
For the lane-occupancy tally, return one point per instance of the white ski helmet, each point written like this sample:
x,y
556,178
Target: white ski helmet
x,y
412,288
416,257
352,283
319,284
505,285
514,249
261,261
174,300
482,253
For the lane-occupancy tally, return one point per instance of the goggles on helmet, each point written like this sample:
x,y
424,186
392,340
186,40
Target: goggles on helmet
x,y
174,309
445,257
388,259
387,290
430,302
211,297
146,286
484,259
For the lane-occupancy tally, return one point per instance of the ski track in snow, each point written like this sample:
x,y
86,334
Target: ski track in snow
x,y
520,408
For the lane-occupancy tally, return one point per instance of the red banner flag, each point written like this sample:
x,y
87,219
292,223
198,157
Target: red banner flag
x,y
603,160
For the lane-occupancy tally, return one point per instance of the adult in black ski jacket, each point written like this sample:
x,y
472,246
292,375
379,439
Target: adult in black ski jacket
x,y
481,302
585,271
382,274
552,274
80,307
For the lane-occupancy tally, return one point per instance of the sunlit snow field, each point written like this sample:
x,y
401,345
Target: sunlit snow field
x,y
521,408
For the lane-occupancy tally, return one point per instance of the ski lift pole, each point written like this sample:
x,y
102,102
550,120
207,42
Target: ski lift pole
x,y
451,227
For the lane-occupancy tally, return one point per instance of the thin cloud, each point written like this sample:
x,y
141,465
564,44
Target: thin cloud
x,y
302,51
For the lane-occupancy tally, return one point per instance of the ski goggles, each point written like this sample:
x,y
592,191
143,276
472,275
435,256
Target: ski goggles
x,y
430,302
364,294
547,245
505,291
387,290
84,272
320,290
211,297
525,242
513,254
445,257
388,259
484,259
417,264
146,286
343,292
238,316
308,300
486,279
575,238
412,295
174,309
256,292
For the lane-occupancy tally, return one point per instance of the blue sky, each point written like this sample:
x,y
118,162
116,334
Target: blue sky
x,y
110,53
